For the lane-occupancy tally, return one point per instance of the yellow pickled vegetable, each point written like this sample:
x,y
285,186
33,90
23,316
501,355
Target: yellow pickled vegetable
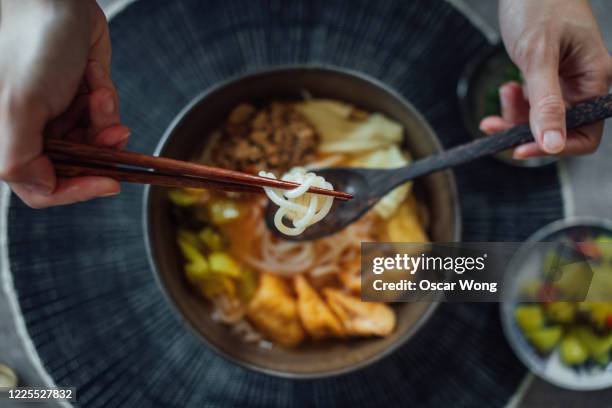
x,y
529,317
598,346
223,264
573,352
545,339
197,272
188,243
561,312
183,198
211,239
599,313
602,359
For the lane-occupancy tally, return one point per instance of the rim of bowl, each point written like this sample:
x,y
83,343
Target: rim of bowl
x,y
266,71
539,236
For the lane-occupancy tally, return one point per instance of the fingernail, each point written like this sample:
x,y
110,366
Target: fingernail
x,y
108,104
503,97
553,141
114,139
519,152
97,71
38,188
122,140
112,193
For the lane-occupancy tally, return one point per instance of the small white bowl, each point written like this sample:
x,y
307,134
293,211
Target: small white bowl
x,y
550,368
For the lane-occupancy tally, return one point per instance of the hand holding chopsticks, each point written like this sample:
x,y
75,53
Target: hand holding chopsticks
x,y
73,160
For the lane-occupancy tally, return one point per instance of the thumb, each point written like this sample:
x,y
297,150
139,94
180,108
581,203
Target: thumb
x,y
36,176
21,158
547,108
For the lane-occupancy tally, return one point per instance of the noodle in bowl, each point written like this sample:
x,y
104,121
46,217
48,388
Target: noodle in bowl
x,y
318,258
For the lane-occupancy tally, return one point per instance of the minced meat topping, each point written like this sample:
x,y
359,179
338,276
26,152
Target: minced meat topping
x,y
274,138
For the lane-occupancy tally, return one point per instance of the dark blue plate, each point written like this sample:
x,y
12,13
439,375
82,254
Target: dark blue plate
x,y
90,302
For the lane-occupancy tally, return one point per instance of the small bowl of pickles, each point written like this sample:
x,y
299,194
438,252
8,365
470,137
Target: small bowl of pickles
x,y
557,307
478,94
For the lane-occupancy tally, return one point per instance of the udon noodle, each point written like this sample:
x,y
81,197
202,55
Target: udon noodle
x,y
325,256
303,209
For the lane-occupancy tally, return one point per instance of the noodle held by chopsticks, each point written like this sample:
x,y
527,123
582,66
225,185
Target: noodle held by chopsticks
x,y
303,209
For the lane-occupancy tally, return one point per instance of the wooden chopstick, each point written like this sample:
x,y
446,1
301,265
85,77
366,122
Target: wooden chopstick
x,y
73,159
147,177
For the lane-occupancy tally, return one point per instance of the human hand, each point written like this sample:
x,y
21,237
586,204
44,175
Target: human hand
x,y
558,48
54,82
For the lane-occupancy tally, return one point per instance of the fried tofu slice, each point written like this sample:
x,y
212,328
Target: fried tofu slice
x,y
350,281
273,311
360,318
317,318
350,274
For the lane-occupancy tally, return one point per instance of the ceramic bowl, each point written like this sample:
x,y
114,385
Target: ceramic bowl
x,y
188,134
525,266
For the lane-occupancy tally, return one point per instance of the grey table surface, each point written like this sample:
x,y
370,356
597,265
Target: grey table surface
x,y
587,191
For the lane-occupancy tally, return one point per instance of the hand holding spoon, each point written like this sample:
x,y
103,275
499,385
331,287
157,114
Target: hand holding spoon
x,y
368,186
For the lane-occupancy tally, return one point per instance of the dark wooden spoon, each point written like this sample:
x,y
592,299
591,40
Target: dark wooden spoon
x,y
368,186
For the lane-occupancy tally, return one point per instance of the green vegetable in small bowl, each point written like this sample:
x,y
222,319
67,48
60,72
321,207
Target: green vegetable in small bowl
x,y
557,304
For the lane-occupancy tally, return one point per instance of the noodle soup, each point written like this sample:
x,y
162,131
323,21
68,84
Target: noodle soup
x,y
279,293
